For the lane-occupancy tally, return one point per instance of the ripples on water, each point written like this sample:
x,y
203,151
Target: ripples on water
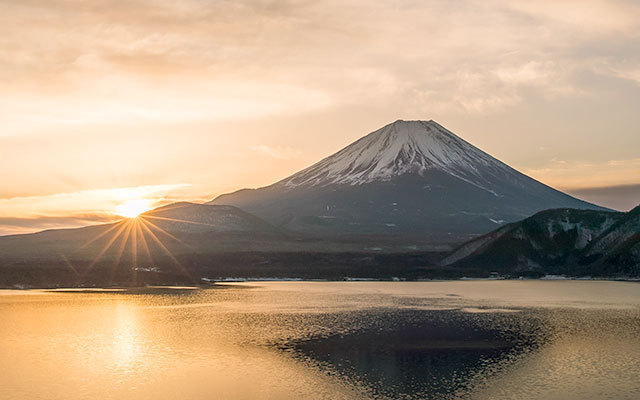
x,y
476,340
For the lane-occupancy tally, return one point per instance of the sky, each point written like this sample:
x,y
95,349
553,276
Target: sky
x,y
106,102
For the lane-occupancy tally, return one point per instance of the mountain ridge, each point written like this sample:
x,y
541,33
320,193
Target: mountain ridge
x,y
560,241
412,177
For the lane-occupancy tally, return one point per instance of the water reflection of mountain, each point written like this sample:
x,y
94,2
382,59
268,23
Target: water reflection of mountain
x,y
421,353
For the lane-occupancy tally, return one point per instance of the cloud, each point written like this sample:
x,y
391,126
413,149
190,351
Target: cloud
x,y
67,210
590,18
194,60
575,175
17,225
620,197
622,70
116,93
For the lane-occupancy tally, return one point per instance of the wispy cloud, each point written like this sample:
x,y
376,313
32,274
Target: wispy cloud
x,y
68,210
619,197
190,60
13,225
577,175
151,91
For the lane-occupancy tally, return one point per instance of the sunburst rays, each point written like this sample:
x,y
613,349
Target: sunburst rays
x,y
106,247
134,235
164,232
163,247
143,240
120,249
177,220
116,225
68,263
134,251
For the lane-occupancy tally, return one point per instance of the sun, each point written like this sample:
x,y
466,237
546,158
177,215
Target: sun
x,y
133,208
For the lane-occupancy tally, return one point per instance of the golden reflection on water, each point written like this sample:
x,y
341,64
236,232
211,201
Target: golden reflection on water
x,y
222,343
126,341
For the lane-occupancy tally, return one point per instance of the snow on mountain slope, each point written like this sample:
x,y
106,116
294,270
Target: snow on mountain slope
x,y
400,148
409,177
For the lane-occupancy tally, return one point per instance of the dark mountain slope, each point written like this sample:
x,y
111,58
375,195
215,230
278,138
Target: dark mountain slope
x,y
410,178
164,222
562,241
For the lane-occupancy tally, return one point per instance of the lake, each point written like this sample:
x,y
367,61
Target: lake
x,y
325,340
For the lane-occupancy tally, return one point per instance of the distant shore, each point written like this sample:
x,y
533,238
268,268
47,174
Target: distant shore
x,y
220,283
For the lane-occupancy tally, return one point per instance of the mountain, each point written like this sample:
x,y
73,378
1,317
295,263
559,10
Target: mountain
x,y
188,217
184,242
191,222
156,242
412,178
562,241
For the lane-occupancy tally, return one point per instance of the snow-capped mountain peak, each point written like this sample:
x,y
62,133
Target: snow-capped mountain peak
x,y
410,178
399,148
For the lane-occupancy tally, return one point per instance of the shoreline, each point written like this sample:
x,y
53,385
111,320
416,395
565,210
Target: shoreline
x,y
222,283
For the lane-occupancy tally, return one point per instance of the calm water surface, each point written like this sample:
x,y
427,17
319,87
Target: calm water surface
x,y
333,340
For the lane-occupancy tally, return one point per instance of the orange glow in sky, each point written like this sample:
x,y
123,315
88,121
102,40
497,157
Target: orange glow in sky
x,y
198,98
133,208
